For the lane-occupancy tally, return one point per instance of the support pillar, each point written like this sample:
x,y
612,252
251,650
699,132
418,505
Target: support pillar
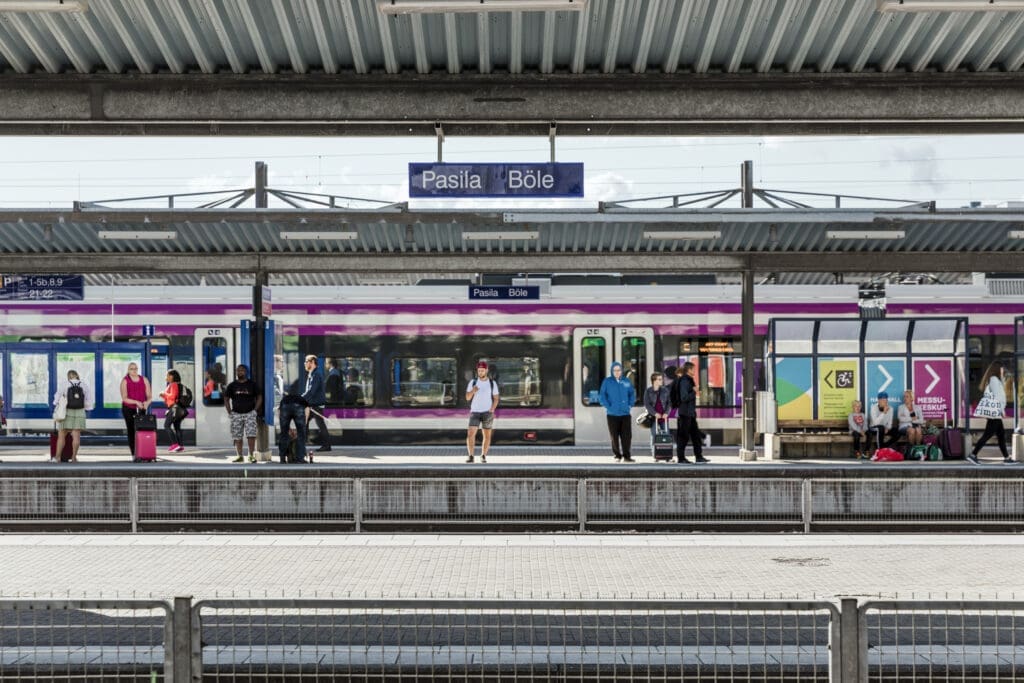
x,y
747,321
258,346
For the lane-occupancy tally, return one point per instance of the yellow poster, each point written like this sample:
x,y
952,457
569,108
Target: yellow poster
x,y
837,387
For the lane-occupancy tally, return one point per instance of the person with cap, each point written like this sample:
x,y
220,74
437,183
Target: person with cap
x,y
618,396
482,394
881,421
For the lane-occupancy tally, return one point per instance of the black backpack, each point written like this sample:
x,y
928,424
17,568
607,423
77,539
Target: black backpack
x,y
76,397
184,396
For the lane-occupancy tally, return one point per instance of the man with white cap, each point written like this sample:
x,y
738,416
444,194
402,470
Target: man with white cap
x,y
482,393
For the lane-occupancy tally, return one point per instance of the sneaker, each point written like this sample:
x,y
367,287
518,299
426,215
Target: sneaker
x,y
973,459
172,448
53,460
239,459
682,460
179,449
1009,461
176,448
627,458
618,458
469,459
323,449
483,458
252,458
701,459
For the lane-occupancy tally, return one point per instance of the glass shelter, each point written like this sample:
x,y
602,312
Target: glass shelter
x,y
817,368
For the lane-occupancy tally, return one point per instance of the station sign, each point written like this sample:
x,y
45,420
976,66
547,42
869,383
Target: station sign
x,y
497,292
495,180
888,375
42,288
933,387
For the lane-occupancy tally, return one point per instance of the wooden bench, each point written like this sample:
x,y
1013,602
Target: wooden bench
x,y
815,438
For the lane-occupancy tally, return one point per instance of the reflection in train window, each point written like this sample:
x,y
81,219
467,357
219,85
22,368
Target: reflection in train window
x,y
215,358
593,359
634,365
30,380
518,380
349,382
423,382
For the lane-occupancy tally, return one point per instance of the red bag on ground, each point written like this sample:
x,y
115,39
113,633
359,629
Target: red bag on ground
x,y
887,455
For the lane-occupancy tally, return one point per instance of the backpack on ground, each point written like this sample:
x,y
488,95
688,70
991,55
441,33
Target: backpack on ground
x,y
184,396
76,397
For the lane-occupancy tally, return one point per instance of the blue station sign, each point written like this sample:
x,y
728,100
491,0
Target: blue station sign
x,y
496,180
42,288
496,292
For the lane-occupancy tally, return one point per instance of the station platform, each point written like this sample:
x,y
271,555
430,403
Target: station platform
x,y
32,454
523,566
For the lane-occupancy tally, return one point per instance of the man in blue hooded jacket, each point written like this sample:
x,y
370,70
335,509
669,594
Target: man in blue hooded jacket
x,y
618,396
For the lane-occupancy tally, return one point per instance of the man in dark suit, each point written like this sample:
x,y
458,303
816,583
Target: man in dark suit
x,y
316,397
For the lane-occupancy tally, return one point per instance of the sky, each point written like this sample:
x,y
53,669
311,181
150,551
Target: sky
x,y
53,172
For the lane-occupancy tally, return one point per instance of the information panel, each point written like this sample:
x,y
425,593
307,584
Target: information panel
x,y
496,180
933,387
837,387
484,292
42,288
793,388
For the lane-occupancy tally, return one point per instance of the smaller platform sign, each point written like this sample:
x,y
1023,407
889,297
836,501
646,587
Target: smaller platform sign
x,y
42,288
496,292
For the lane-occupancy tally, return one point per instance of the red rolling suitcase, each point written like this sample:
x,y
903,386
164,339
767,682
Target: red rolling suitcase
x,y
69,447
145,446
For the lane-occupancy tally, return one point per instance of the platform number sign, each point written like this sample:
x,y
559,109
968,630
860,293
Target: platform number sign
x,y
148,330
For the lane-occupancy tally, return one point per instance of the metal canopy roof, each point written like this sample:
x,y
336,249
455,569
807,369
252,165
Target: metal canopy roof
x,y
654,66
612,240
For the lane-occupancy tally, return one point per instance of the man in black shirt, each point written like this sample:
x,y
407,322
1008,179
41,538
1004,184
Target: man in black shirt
x,y
243,401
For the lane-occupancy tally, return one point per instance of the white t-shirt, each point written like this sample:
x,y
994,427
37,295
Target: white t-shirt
x,y
482,401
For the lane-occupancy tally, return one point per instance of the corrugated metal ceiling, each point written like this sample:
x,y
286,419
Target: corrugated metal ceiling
x,y
771,231
352,36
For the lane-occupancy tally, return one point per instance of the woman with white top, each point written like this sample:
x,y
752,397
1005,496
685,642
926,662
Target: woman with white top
x,y
74,417
995,392
911,421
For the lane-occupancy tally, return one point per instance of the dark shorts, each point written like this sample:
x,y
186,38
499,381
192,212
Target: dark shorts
x,y
484,420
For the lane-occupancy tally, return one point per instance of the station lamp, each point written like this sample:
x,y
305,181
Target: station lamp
x,y
137,234
318,236
949,5
445,6
865,234
471,235
682,234
43,6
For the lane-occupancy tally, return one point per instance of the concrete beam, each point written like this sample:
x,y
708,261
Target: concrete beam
x,y
518,261
467,104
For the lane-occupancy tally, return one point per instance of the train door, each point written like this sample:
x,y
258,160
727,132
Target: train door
x,y
215,353
594,349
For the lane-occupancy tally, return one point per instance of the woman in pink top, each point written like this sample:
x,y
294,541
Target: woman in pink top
x,y
136,396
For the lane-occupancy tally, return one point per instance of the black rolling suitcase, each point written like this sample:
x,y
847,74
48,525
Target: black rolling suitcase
x,y
663,443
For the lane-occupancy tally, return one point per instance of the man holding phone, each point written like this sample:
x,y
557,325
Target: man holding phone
x,y
881,421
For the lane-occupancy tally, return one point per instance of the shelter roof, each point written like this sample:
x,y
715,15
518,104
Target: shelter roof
x,y
641,66
400,240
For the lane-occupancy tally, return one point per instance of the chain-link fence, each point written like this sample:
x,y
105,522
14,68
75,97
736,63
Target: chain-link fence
x,y
942,641
274,640
85,640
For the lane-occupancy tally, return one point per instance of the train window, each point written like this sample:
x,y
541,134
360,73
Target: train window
x,y
593,364
349,382
423,382
82,363
215,356
518,380
634,364
30,380
716,368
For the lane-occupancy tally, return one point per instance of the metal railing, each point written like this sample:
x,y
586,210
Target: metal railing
x,y
510,639
954,640
513,640
805,503
85,640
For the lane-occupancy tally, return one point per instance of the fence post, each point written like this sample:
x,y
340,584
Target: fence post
x,y
806,504
181,644
581,503
357,504
133,503
849,643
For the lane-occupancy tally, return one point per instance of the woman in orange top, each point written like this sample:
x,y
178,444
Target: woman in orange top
x,y
175,413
